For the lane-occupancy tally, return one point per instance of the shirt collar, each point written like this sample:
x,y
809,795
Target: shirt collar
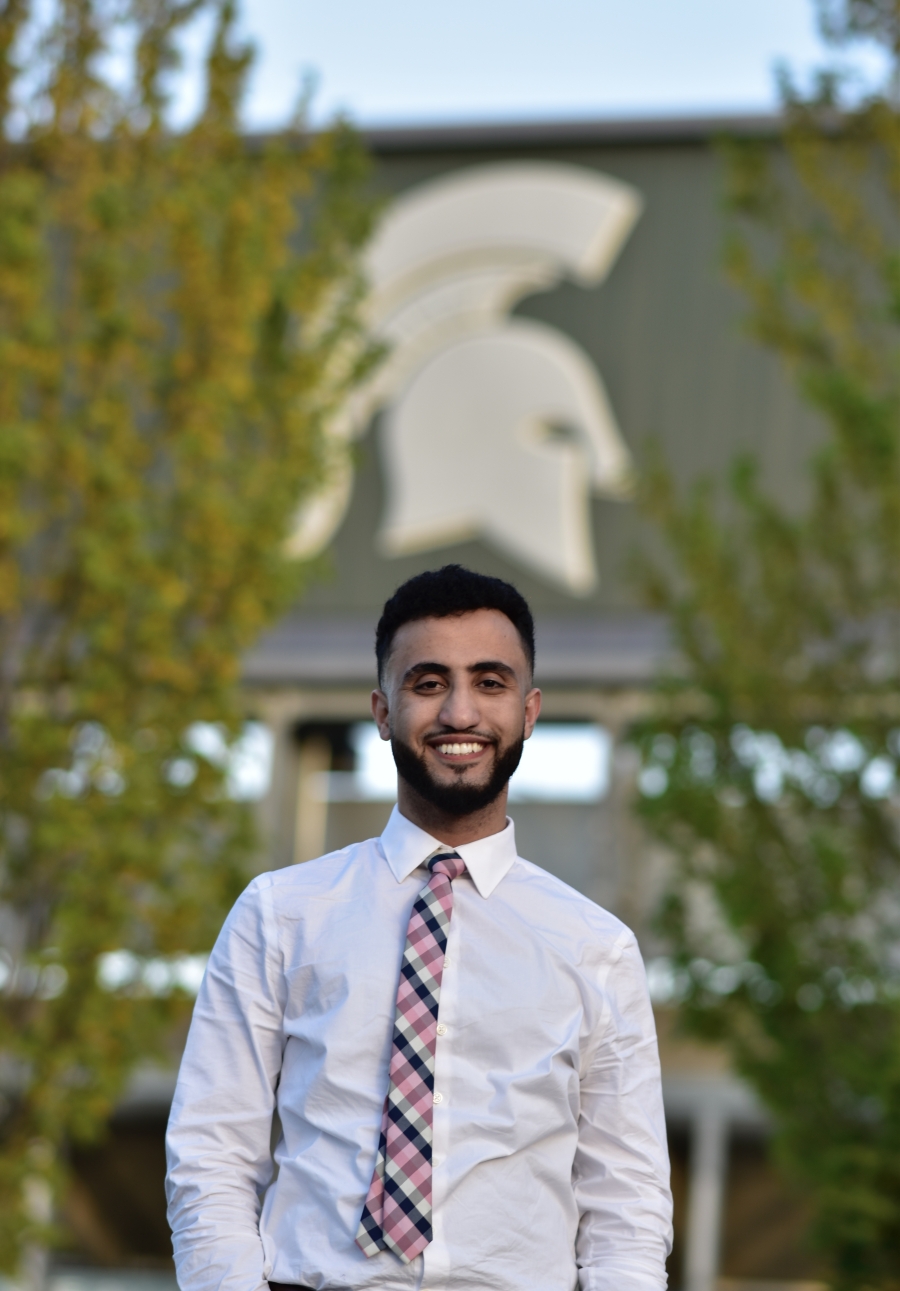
x,y
488,860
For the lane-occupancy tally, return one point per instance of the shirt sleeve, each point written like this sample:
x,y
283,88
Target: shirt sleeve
x,y
218,1144
621,1169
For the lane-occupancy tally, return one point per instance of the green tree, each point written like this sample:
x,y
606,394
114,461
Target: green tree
x,y
771,770
178,320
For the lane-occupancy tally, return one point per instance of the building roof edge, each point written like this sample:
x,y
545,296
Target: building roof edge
x,y
610,131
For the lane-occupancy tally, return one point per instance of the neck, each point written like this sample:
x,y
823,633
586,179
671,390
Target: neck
x,y
452,830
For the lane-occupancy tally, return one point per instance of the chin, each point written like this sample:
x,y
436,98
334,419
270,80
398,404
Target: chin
x,y
449,789
469,775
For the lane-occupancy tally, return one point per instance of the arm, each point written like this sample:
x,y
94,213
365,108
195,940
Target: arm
x,y
621,1172
218,1141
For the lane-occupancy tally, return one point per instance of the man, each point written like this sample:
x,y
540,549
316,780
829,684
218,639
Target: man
x,y
459,1048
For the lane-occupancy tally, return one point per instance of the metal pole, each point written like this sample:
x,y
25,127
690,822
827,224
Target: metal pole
x,y
705,1198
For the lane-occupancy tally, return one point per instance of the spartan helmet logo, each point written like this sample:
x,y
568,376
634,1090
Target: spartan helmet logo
x,y
495,427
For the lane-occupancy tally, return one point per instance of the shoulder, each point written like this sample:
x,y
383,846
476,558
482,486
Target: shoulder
x,y
277,907
578,926
326,877
564,901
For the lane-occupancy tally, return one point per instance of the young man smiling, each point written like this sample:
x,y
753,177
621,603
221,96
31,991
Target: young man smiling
x,y
459,1048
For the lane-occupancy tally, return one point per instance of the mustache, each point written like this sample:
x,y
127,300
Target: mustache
x,y
443,733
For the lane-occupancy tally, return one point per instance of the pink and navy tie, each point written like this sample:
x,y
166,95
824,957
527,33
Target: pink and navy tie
x,y
397,1213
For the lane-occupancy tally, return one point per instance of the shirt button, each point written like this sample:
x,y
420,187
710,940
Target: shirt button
x,y
438,1098
448,962
441,1030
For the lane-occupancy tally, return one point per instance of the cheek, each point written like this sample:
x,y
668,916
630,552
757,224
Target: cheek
x,y
410,714
514,726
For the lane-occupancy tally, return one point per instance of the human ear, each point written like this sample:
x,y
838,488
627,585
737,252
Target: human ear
x,y
381,714
532,709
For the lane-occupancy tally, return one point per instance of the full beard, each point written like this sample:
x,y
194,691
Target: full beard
x,y
456,800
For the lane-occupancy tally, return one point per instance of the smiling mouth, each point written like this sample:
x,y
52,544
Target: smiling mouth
x,y
459,749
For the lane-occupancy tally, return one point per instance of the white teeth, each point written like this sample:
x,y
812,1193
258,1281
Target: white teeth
x,y
460,750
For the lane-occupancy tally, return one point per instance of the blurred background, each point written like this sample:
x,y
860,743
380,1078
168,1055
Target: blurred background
x,y
600,300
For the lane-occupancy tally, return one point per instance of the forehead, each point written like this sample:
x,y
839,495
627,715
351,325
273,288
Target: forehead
x,y
459,640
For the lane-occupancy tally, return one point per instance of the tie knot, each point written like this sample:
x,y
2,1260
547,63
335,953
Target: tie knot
x,y
449,863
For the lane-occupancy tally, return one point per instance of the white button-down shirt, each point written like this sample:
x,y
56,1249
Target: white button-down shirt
x,y
550,1161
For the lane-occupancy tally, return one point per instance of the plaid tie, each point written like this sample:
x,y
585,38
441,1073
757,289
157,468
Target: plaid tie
x,y
397,1213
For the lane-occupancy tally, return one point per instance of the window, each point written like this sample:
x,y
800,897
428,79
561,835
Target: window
x,y
562,762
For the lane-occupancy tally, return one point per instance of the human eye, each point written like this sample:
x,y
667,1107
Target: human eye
x,y
428,685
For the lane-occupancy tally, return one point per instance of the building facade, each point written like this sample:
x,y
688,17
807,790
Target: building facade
x,y
554,311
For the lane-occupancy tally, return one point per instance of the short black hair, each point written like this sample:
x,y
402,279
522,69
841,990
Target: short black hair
x,y
442,593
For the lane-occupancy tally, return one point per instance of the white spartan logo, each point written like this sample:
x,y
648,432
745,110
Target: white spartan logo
x,y
495,427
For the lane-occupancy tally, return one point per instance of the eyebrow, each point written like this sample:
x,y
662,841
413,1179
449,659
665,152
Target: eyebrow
x,y
485,665
492,665
418,668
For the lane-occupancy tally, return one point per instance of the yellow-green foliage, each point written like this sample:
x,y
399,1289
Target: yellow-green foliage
x,y
173,337
774,772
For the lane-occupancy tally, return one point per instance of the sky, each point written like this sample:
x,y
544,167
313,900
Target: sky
x,y
403,62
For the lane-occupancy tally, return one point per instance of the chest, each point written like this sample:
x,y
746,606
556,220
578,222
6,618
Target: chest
x,y
505,992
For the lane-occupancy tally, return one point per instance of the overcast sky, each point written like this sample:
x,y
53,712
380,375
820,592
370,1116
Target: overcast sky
x,y
409,61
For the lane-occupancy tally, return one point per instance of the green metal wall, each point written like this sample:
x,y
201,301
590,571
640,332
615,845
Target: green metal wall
x,y
667,335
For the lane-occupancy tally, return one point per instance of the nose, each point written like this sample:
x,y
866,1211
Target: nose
x,y
460,710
